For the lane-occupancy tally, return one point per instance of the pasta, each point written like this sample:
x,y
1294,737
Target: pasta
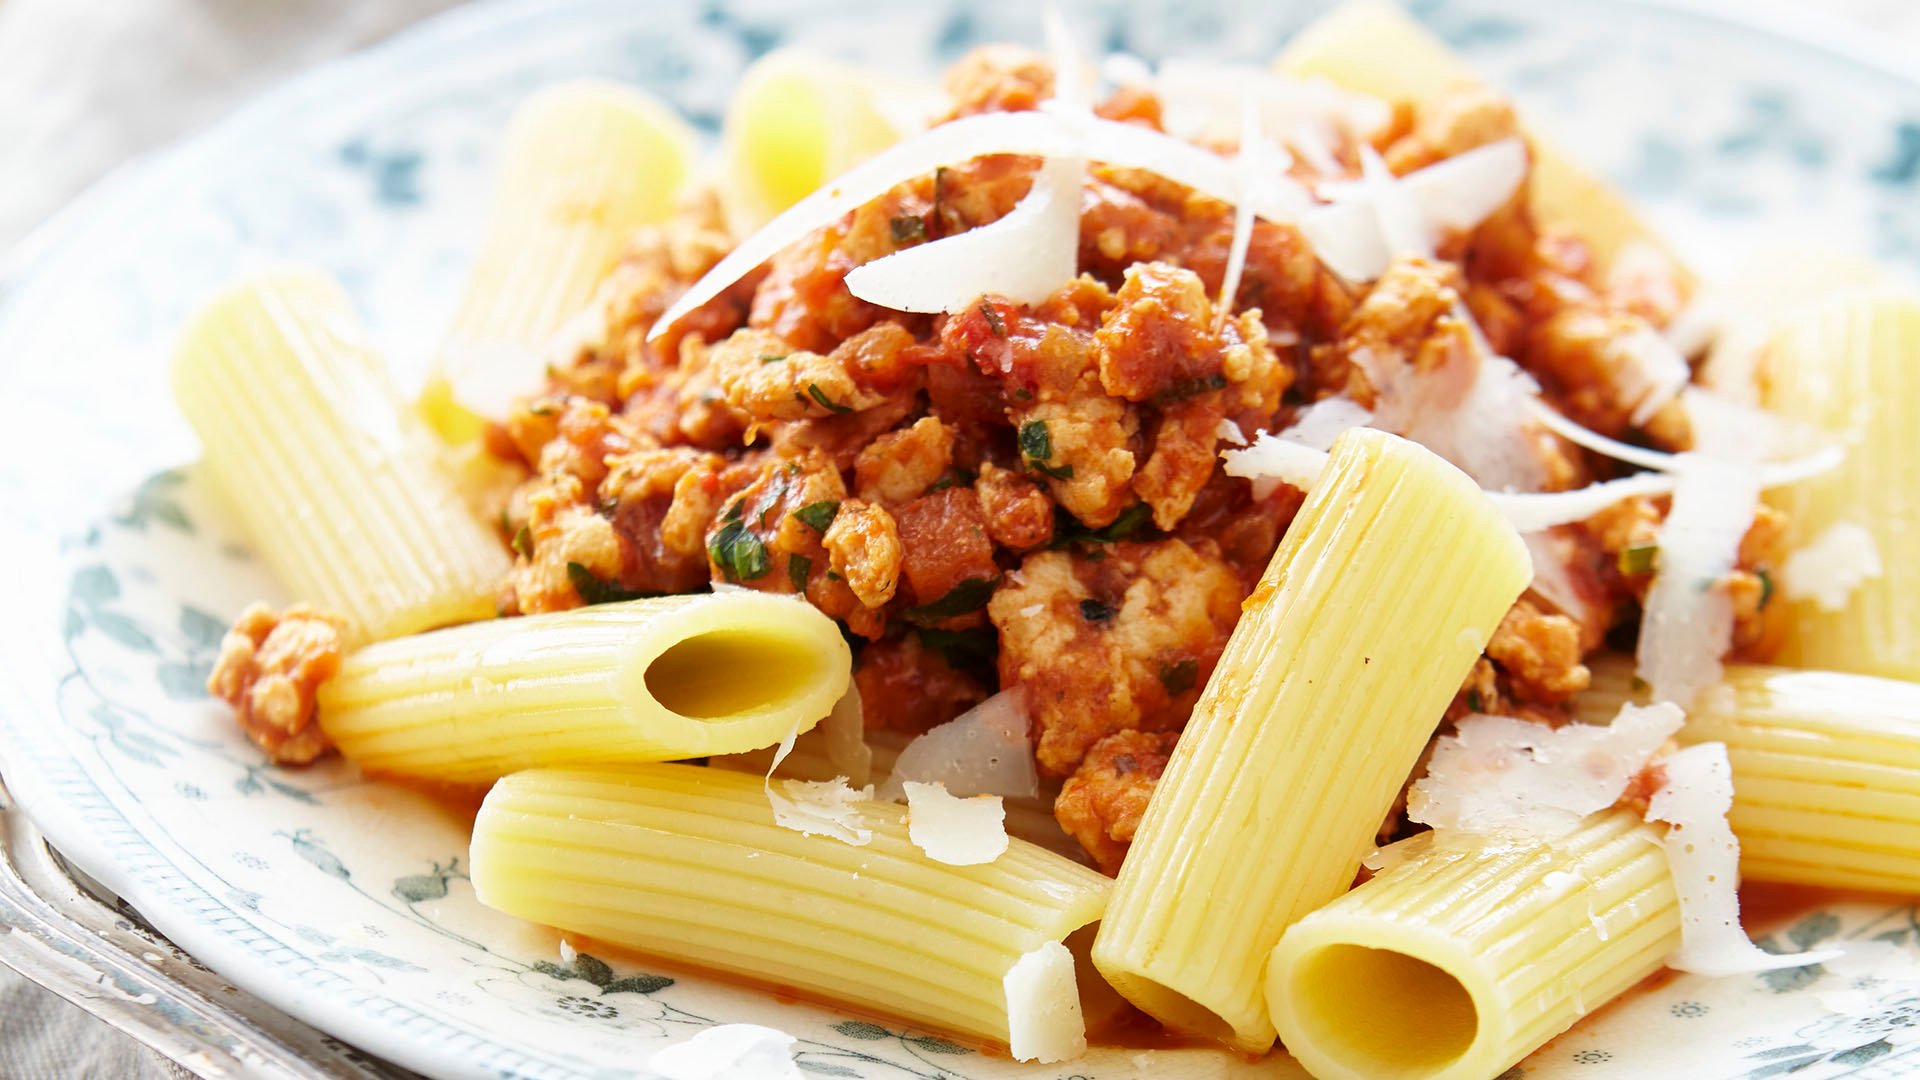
x,y
1375,48
585,850
641,680
1847,366
1826,770
584,164
1307,731
334,482
1459,959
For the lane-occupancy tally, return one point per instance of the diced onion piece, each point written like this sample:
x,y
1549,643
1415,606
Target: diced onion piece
x,y
1687,620
984,751
1025,256
1513,777
1356,236
1044,1021
729,1052
1046,132
1705,859
952,830
1826,571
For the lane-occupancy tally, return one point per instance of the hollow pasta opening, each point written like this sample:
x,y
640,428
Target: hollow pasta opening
x,y
1172,1008
1383,1013
725,673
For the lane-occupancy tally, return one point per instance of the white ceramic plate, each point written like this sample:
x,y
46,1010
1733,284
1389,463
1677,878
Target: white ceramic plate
x,y
345,902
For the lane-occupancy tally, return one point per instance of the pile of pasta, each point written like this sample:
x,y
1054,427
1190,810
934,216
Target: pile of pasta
x,y
623,741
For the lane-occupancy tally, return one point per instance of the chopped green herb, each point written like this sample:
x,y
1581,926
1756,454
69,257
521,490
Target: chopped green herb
x,y
1187,388
1474,702
738,553
1022,394
523,542
1766,586
994,322
772,358
1130,521
505,522
593,590
1058,472
1095,611
832,576
798,567
733,510
1178,678
825,402
818,515
954,478
908,228
967,650
1640,559
544,408
969,596
1036,445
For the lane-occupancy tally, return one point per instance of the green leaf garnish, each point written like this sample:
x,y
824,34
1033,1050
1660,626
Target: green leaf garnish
x,y
818,515
738,553
772,358
1095,611
523,542
594,590
1766,586
908,228
969,596
798,567
820,397
1640,559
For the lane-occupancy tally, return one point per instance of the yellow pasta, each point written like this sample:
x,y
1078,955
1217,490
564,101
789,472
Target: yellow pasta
x,y
1826,769
1849,367
796,121
686,863
1381,596
1460,959
642,680
1375,48
332,477
583,165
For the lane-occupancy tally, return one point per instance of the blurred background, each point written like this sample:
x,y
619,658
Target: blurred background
x,y
89,85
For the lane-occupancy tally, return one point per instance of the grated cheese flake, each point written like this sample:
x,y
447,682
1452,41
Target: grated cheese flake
x,y
1705,859
729,1052
1513,777
1379,216
1044,1020
1686,624
1828,570
986,750
952,830
816,807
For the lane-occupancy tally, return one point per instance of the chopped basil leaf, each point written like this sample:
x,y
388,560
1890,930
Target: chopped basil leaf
x,y
1035,440
733,510
1022,394
1178,678
593,590
954,478
969,596
1058,472
825,402
1187,388
1640,559
738,553
543,408
818,515
994,322
1130,521
1474,703
907,227
772,358
1766,587
523,542
798,567
832,576
1095,611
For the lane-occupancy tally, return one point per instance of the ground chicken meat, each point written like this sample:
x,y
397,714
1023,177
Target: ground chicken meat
x,y
998,78
902,464
863,544
1101,803
1540,654
270,669
1119,643
768,379
945,545
1019,515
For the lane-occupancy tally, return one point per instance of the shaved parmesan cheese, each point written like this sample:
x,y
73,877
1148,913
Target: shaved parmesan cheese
x,y
1514,777
837,746
1472,411
1044,1022
1273,460
1378,217
1826,571
952,830
1652,371
1553,554
1731,431
729,1052
1199,98
816,807
1229,432
1025,256
1535,511
1773,474
986,750
1687,620
1252,164
1046,132
1325,420
1072,82
1705,860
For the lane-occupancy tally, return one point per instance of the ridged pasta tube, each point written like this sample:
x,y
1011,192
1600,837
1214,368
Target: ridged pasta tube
x,y
1826,769
1461,959
583,165
643,680
1848,366
686,863
333,479
1373,47
1381,596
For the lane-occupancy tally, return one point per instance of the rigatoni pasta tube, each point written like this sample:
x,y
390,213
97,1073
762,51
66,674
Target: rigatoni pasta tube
x,y
643,680
1463,958
1848,366
1826,770
1381,596
686,863
583,165
334,480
